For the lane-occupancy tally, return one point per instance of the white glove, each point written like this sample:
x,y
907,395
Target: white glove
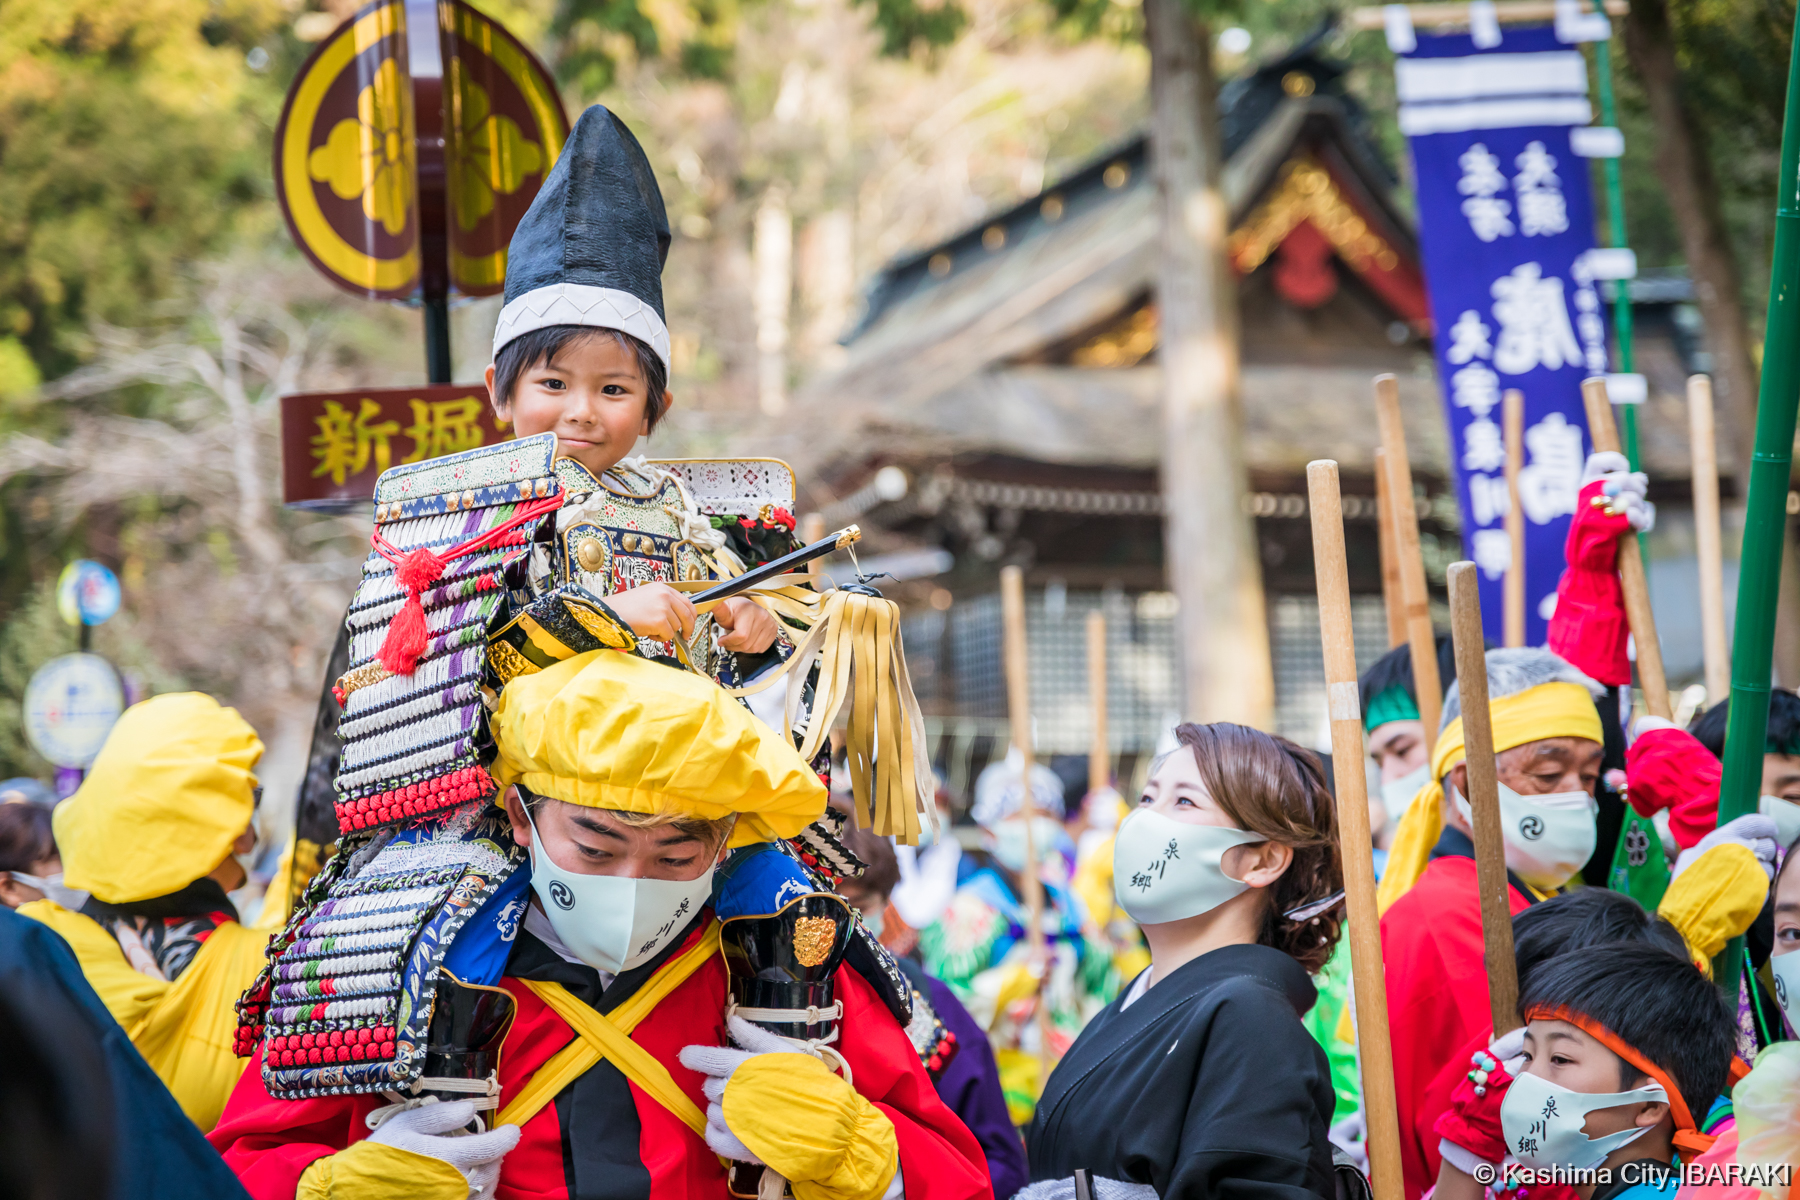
x,y
1509,1046
1646,724
717,1063
1624,488
1754,831
430,1130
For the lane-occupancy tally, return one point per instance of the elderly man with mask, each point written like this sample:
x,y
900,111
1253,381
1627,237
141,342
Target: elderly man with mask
x,y
150,846
980,946
1549,745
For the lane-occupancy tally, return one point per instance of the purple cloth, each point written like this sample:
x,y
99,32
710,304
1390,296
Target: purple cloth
x,y
971,1087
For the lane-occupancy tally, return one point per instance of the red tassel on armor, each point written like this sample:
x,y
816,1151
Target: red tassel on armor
x,y
406,636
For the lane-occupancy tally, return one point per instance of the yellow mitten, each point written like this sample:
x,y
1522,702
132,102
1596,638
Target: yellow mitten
x,y
373,1171
1715,898
806,1122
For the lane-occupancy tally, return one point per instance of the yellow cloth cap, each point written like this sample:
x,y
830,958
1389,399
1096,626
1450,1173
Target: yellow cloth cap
x,y
611,730
173,787
1549,710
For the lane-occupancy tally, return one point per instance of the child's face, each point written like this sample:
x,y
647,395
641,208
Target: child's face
x,y
591,395
1787,907
1568,1057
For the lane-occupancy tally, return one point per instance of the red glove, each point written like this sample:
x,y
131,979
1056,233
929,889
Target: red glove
x,y
1473,1119
1589,628
1667,768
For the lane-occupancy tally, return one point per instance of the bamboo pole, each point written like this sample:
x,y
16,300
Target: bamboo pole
x,y
1706,536
1390,557
1514,418
1765,505
1484,797
1018,708
1636,585
1414,596
1100,749
1374,1047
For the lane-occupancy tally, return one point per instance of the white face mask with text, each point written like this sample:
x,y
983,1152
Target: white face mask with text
x,y
1543,1122
1548,838
1168,870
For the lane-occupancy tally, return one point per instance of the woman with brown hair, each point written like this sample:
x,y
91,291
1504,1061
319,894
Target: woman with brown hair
x,y
1199,1080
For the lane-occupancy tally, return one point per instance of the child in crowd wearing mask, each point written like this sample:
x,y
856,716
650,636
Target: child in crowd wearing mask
x,y
980,946
1396,738
1200,1080
30,867
1781,757
1624,1050
970,1083
1564,924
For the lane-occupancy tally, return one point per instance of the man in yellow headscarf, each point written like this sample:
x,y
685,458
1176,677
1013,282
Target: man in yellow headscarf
x,y
1548,744
629,783
153,836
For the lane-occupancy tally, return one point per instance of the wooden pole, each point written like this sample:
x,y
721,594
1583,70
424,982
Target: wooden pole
x,y
1484,797
1514,402
1331,571
1707,538
1414,596
1390,556
1631,566
1100,749
812,528
1018,707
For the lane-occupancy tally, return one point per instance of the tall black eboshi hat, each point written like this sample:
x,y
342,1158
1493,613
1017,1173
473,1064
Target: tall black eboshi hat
x,y
590,250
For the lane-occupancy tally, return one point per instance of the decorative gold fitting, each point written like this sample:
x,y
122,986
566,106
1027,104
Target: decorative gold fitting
x,y
380,513
468,500
524,489
541,488
849,535
766,514
590,553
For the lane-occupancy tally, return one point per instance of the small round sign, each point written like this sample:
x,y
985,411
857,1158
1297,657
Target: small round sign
x,y
87,593
70,707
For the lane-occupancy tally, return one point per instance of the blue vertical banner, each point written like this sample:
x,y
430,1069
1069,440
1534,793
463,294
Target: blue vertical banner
x,y
1505,226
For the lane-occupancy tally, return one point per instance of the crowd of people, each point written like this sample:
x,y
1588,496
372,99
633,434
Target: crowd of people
x,y
659,967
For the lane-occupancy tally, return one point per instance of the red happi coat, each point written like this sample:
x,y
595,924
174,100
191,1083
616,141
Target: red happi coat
x,y
269,1143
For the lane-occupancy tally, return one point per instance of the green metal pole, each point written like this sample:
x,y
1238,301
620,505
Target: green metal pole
x,y
1615,212
1765,509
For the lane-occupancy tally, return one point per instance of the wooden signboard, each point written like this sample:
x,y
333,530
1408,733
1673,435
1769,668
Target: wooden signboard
x,y
335,444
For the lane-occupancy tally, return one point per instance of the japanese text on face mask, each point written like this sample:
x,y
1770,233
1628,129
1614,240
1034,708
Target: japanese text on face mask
x,y
1141,880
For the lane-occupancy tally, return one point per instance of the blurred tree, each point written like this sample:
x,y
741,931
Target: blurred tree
x,y
128,144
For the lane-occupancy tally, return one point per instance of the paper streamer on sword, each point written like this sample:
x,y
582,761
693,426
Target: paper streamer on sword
x,y
1415,600
1632,579
1374,1048
1484,797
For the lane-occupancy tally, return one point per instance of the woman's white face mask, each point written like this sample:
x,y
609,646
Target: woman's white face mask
x,y
1548,838
611,922
1168,870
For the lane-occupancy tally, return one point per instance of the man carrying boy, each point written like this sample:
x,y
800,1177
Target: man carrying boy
x,y
628,783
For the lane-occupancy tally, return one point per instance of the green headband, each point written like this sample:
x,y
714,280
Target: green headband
x,y
1394,704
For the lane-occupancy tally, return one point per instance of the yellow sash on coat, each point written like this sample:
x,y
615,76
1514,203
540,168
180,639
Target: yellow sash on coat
x,y
608,1036
183,1029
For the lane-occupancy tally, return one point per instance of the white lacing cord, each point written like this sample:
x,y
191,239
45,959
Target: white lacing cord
x,y
819,1048
485,1093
